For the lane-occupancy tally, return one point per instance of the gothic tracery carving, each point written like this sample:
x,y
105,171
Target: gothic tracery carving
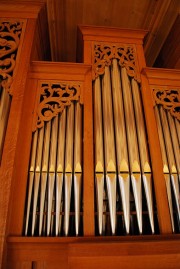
x,y
9,40
169,99
104,53
54,97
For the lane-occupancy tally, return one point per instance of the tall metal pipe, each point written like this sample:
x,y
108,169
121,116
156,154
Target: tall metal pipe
x,y
68,165
51,182
60,168
61,142
99,154
109,146
132,145
52,140
31,177
143,150
59,184
44,174
121,143
77,164
37,175
53,145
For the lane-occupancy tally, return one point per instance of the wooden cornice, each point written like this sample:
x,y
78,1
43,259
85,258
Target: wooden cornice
x,y
58,70
105,34
19,9
161,76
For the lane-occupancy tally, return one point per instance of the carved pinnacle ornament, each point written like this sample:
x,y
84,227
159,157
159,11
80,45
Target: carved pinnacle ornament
x,y
169,99
103,55
54,97
10,33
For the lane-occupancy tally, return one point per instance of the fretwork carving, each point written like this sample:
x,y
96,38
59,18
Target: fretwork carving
x,y
169,99
10,33
105,53
54,97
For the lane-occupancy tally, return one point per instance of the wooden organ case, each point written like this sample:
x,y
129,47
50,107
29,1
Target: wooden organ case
x,y
89,151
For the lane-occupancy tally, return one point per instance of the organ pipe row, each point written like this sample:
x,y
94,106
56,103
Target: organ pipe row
x,y
169,130
121,153
55,176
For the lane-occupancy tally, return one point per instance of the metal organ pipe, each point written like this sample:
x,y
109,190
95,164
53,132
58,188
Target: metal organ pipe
x,y
37,176
31,178
68,166
77,164
99,154
44,179
60,169
132,146
121,143
109,147
143,150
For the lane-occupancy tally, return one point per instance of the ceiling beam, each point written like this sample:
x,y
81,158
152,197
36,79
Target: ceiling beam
x,y
160,27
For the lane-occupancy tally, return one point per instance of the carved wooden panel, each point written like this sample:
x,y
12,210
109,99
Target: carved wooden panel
x,y
54,97
169,99
103,54
10,33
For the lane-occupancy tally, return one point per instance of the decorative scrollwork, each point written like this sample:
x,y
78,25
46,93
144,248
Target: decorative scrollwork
x,y
9,40
54,97
169,99
105,53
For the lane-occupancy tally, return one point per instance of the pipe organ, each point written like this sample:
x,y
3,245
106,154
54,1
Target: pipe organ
x,y
95,176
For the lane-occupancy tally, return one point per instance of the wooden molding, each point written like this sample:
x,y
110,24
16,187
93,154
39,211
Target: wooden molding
x,y
112,34
159,76
152,252
19,9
